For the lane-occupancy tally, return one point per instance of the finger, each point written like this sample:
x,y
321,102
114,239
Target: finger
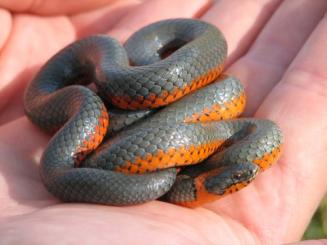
x,y
52,7
276,46
297,103
32,40
311,242
6,24
155,10
102,19
240,21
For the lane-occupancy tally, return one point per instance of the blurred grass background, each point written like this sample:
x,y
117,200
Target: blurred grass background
x,y
318,225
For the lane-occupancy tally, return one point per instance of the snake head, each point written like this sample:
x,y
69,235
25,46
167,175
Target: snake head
x,y
231,178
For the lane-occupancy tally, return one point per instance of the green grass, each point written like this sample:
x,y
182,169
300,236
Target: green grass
x,y
318,225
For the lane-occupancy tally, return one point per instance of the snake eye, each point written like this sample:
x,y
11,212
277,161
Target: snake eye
x,y
245,172
239,177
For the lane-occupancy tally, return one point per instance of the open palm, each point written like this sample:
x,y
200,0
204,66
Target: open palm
x,y
277,48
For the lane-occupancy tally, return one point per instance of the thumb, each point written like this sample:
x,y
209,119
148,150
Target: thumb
x,y
52,7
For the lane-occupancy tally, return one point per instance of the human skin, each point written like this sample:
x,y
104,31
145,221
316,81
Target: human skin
x,y
277,48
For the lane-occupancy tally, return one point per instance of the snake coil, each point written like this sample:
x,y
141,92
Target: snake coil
x,y
170,109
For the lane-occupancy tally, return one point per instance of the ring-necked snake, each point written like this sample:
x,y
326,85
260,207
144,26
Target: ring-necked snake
x,y
156,157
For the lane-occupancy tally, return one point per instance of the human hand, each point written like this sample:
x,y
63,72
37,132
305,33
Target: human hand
x,y
277,49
